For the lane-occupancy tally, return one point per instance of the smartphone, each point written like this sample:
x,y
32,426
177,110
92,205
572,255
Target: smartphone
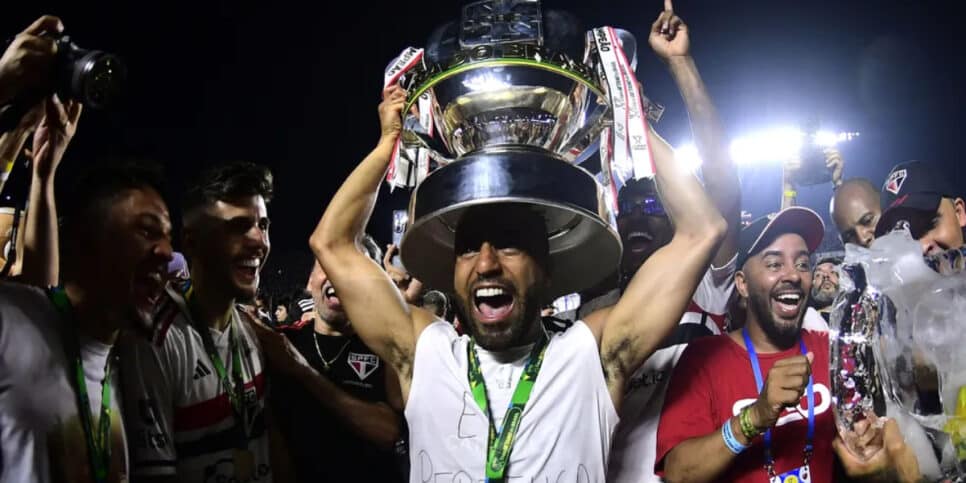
x,y
399,220
813,170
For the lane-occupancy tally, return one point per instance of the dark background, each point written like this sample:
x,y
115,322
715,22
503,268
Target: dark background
x,y
295,86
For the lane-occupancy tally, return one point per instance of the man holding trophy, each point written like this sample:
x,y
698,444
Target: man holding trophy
x,y
508,224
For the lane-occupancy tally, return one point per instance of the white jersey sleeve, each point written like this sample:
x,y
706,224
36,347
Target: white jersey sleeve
x,y
149,404
709,304
716,287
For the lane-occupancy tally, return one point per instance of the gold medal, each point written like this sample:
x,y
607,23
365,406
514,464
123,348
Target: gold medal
x,y
244,464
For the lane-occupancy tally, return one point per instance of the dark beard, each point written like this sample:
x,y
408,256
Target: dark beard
x,y
820,298
781,335
518,332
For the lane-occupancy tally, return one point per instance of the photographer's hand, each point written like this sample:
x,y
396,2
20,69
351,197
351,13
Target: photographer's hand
x,y
26,64
836,164
53,134
41,240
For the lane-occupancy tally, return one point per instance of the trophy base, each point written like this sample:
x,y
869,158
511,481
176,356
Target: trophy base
x,y
584,246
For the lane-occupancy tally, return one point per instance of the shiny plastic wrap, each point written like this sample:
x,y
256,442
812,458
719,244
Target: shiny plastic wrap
x,y
898,335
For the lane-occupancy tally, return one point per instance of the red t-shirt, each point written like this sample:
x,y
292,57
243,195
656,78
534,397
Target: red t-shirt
x,y
713,381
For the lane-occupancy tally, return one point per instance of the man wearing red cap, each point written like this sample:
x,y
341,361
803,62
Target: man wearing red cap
x,y
749,406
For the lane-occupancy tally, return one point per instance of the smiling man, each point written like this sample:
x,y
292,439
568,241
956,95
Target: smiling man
x,y
346,393
195,391
115,244
922,198
756,404
571,384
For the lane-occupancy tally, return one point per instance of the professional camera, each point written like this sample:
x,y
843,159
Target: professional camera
x,y
92,77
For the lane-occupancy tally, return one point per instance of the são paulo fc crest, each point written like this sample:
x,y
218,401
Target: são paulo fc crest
x,y
894,183
363,364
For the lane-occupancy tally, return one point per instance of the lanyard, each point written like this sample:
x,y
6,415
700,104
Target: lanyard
x,y
500,444
99,443
809,437
236,388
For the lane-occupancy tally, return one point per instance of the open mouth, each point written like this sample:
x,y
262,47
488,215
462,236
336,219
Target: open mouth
x,y
787,304
493,304
247,269
149,286
331,299
638,240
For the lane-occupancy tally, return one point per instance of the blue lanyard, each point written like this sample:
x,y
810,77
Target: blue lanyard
x,y
769,460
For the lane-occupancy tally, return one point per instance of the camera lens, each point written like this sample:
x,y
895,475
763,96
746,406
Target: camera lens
x,y
97,79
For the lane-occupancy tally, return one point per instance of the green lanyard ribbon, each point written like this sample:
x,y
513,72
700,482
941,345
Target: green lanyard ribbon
x,y
236,388
500,444
99,443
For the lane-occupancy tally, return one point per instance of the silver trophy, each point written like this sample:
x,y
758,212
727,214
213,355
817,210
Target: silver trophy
x,y
504,118
898,337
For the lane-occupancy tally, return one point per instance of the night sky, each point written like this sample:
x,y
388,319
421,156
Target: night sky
x,y
296,88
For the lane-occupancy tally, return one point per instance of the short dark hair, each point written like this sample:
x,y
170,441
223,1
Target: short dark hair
x,y
227,182
85,202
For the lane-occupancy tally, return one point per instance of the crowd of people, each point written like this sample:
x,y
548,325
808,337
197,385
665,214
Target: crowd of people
x,y
705,357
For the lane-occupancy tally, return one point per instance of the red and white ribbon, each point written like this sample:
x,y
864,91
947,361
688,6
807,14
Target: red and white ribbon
x,y
628,138
407,164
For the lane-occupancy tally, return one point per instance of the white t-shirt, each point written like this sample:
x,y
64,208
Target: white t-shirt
x,y
565,429
41,438
814,321
179,416
635,442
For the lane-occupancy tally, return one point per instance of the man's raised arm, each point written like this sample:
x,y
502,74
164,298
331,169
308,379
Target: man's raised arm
x,y
374,305
718,170
659,292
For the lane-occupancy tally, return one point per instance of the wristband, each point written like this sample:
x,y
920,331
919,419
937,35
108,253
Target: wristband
x,y
791,193
748,429
730,440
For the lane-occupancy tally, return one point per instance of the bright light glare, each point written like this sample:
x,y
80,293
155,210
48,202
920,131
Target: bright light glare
x,y
485,82
687,156
773,146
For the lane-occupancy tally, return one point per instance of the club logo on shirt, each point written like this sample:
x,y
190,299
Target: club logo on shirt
x,y
823,401
363,364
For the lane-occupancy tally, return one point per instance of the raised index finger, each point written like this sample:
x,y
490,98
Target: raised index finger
x,y
668,6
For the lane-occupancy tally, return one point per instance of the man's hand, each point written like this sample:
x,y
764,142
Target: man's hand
x,y
53,134
784,387
27,62
887,458
279,351
669,35
409,286
835,163
390,112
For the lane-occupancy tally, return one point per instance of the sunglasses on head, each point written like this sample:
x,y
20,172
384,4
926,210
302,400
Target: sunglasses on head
x,y
649,206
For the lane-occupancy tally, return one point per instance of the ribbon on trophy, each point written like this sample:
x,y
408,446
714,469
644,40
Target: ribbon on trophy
x,y
409,165
624,148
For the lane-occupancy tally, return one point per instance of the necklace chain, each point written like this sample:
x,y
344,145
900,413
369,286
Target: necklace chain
x,y
326,364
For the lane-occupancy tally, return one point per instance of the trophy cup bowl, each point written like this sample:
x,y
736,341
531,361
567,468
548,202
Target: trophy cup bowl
x,y
511,119
584,247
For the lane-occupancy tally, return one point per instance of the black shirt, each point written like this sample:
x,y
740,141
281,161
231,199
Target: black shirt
x,y
322,447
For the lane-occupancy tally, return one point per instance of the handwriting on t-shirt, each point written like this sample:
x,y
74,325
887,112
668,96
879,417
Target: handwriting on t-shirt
x,y
429,472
